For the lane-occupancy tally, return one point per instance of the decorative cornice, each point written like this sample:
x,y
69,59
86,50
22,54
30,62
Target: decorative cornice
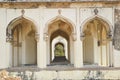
x,y
37,36
45,36
9,38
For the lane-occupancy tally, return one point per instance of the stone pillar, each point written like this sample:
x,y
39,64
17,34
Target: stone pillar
x,y
41,52
71,55
23,53
48,56
96,56
78,45
15,56
9,54
104,52
107,54
78,53
41,43
99,54
111,54
40,55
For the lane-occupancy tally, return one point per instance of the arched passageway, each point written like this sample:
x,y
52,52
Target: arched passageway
x,y
59,48
96,43
22,32
62,57
59,53
60,29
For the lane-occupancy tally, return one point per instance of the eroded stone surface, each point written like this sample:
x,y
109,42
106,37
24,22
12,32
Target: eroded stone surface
x,y
117,30
4,76
66,75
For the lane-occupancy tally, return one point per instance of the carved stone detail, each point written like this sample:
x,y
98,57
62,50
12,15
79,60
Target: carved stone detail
x,y
82,36
59,11
96,11
9,38
45,36
22,12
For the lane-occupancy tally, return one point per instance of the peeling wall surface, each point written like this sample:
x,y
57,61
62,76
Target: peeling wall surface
x,y
28,28
66,75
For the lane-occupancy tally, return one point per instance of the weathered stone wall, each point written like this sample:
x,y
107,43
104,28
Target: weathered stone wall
x,y
41,13
4,76
60,0
68,75
116,36
32,5
117,30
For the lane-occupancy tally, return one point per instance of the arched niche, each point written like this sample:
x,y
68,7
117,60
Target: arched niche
x,y
96,37
66,38
63,42
102,19
21,33
59,27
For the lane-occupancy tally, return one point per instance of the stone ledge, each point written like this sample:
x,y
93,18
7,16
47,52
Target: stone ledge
x,y
68,75
58,68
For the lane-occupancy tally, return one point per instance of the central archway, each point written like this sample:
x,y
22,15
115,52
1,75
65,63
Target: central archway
x,y
60,47
65,36
60,27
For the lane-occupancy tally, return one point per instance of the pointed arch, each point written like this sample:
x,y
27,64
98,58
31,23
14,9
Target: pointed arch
x,y
59,26
64,19
21,32
102,19
97,32
19,20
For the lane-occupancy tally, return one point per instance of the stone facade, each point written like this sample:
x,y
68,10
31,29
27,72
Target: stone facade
x,y
90,29
66,75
